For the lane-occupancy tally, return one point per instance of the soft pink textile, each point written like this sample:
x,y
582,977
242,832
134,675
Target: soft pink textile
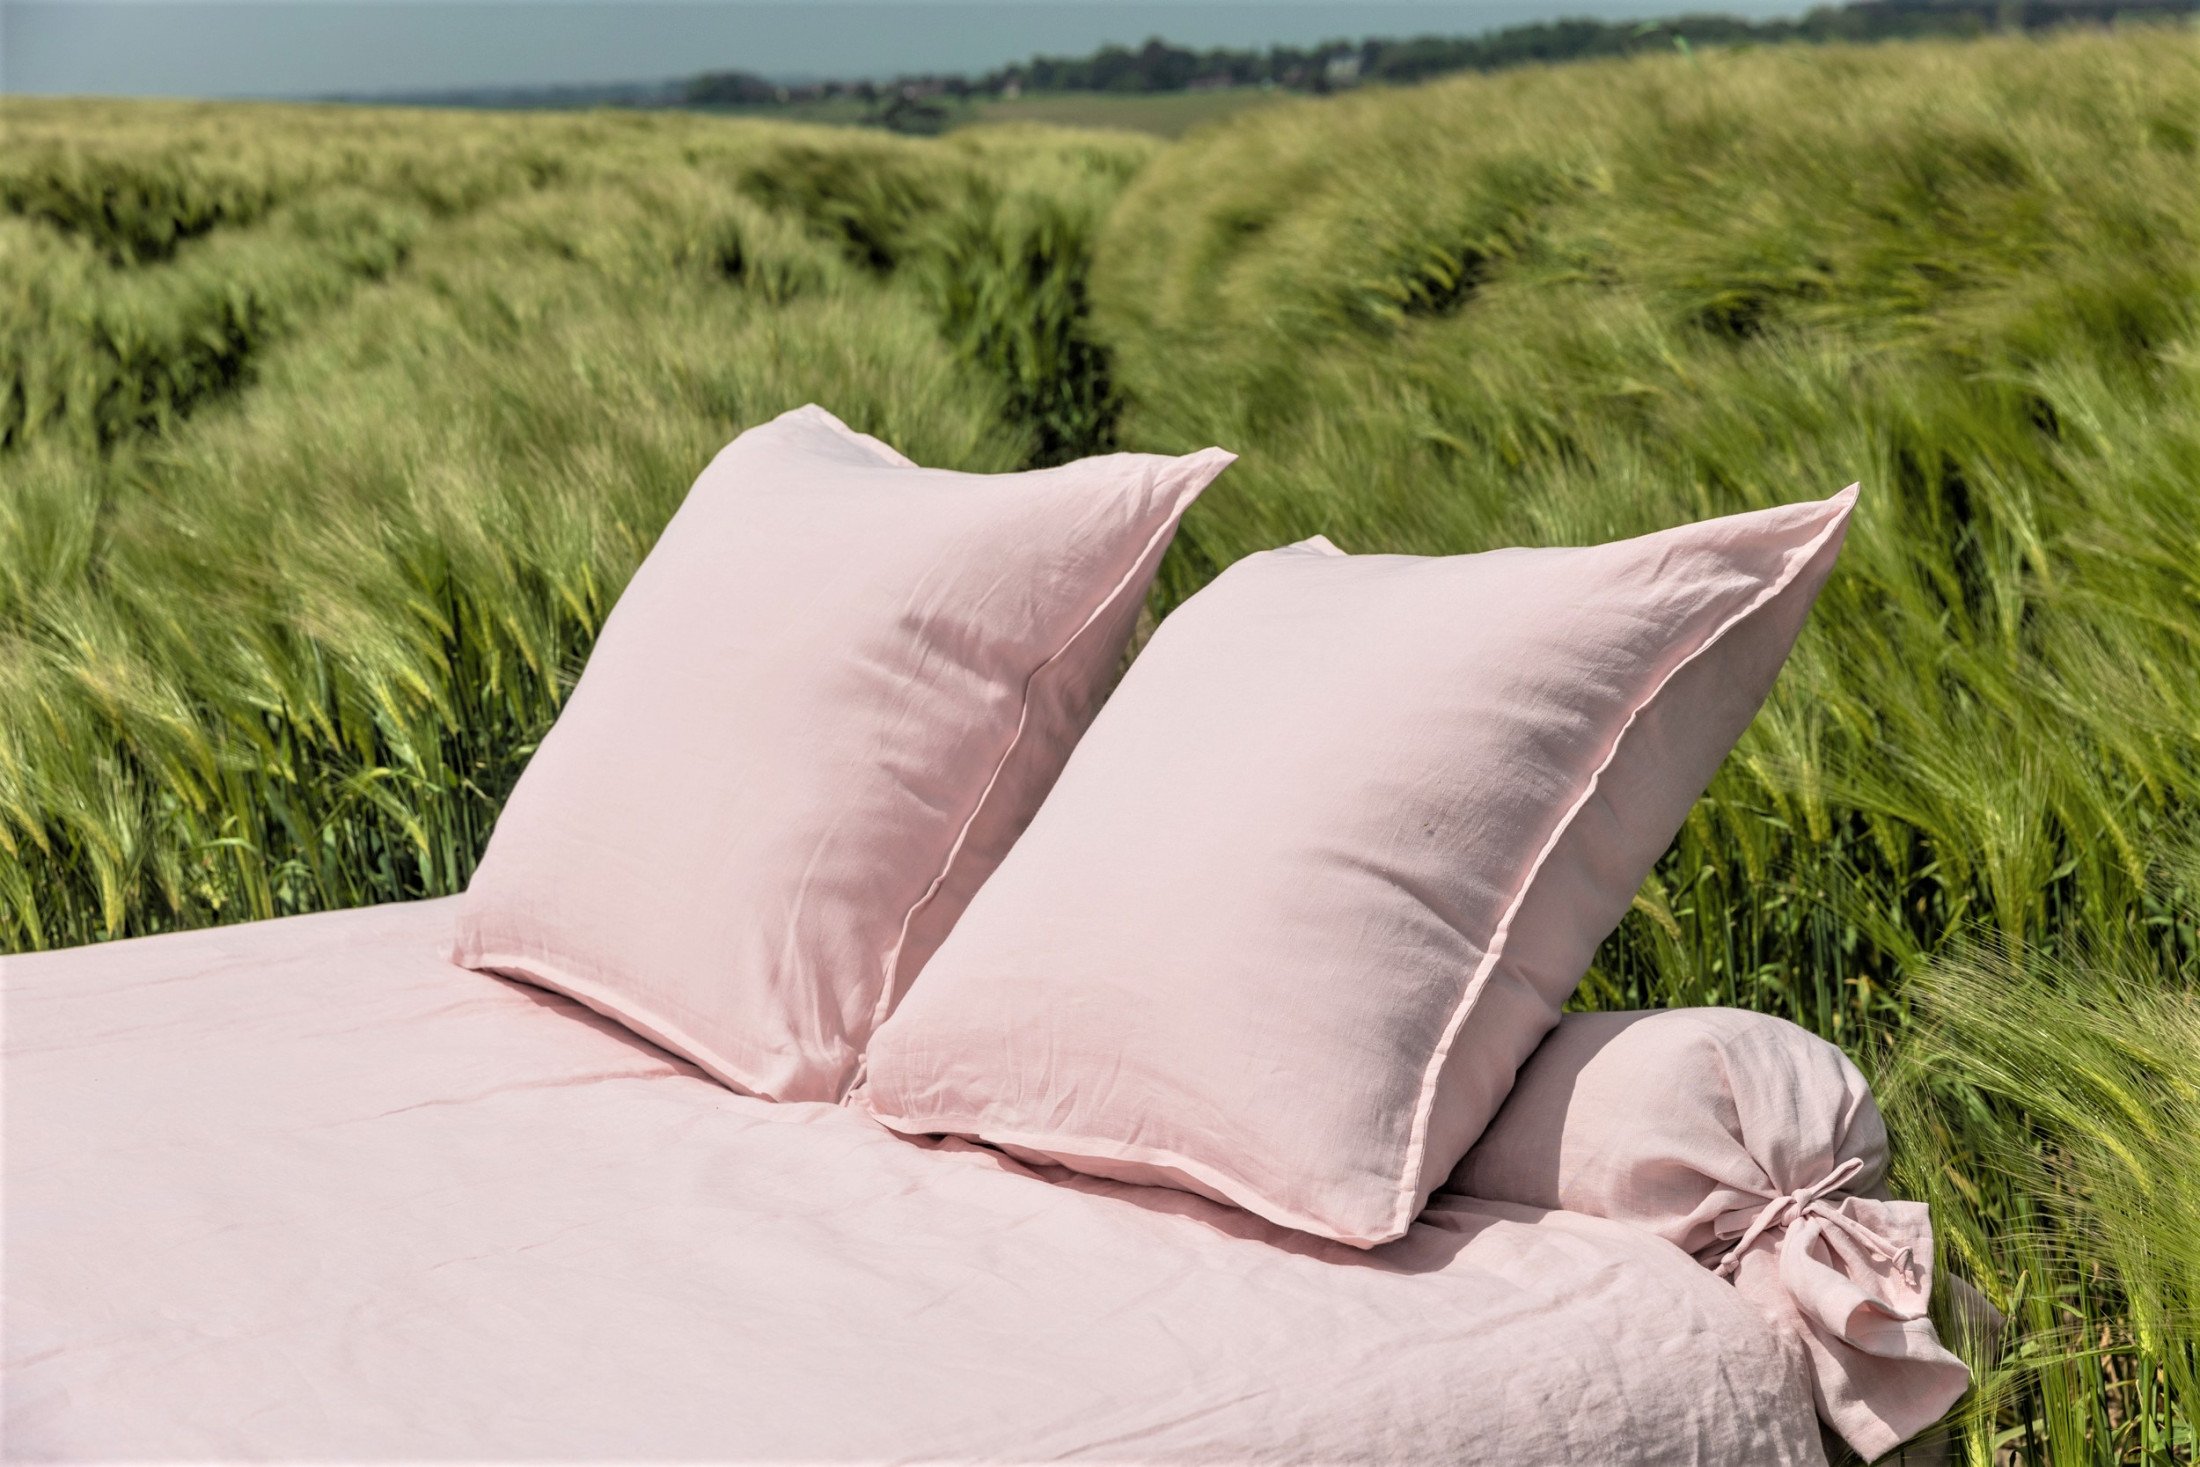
x,y
825,706
1336,851
304,1191
1755,1146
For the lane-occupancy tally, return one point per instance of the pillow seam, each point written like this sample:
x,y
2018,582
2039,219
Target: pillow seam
x,y
888,455
1236,1191
1415,1159
642,1019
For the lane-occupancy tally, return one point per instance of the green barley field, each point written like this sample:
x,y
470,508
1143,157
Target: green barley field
x,y
327,437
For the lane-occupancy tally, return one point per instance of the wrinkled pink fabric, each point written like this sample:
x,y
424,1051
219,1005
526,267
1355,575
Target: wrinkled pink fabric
x,y
1755,1146
303,1190
823,709
1335,853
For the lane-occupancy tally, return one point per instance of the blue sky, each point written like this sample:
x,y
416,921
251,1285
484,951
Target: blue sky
x,y
228,48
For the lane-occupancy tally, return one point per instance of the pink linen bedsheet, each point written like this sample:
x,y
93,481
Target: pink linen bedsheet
x,y
304,1190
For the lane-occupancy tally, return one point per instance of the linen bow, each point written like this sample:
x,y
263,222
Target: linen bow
x,y
1854,1276
1792,1207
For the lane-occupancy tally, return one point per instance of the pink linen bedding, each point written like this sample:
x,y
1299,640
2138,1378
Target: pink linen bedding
x,y
305,1190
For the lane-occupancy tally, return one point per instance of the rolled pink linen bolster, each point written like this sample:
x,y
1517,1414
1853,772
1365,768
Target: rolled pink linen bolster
x,y
1755,1146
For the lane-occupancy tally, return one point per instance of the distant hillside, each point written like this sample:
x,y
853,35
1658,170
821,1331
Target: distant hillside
x,y
1159,67
933,102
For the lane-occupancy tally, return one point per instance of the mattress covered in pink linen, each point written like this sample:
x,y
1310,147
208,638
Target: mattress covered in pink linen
x,y
303,1189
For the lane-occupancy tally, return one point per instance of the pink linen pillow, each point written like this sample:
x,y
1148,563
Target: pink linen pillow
x,y
1756,1146
1333,856
821,712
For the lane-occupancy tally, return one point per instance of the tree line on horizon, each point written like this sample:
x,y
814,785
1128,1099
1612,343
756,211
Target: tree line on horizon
x,y
1159,67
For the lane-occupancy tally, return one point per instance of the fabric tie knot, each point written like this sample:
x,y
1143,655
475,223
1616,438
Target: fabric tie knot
x,y
1821,1259
1791,1207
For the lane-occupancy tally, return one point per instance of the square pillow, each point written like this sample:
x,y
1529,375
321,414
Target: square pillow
x,y
825,706
1334,855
